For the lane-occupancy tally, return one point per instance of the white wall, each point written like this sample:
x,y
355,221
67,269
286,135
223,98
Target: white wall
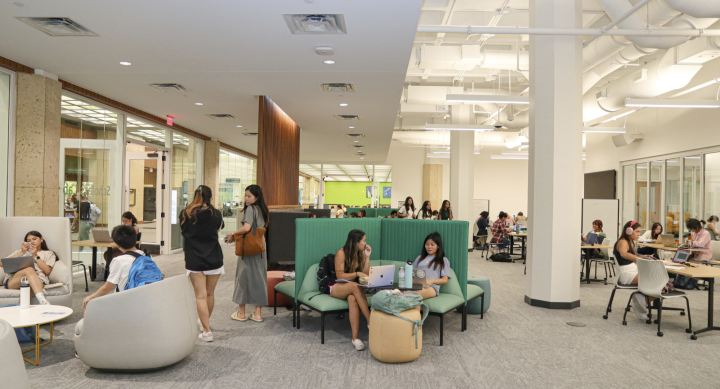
x,y
503,182
407,172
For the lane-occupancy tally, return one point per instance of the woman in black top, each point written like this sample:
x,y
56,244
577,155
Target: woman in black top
x,y
200,223
625,253
445,211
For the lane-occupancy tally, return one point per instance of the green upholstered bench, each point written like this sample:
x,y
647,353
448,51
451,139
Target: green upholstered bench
x,y
394,239
286,288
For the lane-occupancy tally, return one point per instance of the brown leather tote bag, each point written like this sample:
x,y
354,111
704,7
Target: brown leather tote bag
x,y
251,242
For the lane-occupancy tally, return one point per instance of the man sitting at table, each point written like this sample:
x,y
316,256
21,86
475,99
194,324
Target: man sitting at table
x,y
499,230
125,238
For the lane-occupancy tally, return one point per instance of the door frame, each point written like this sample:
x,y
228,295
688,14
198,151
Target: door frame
x,y
163,180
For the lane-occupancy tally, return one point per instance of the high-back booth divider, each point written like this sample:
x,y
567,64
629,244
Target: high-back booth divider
x,y
373,212
316,238
385,211
404,239
390,239
321,213
280,245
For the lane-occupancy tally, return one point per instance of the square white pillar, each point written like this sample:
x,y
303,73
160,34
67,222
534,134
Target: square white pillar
x,y
462,167
555,164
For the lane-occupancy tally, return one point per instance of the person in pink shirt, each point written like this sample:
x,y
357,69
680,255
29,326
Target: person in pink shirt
x,y
700,238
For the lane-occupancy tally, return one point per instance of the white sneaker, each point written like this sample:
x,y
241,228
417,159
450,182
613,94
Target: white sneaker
x,y
638,306
359,345
44,302
206,336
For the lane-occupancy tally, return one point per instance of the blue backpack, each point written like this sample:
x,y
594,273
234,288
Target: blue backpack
x,y
142,272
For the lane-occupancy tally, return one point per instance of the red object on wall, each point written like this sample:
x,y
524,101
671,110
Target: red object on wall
x,y
169,120
275,277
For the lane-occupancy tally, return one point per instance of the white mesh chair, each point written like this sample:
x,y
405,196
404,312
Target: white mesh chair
x,y
618,285
652,278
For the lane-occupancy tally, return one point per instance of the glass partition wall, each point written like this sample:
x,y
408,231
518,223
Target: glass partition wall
x,y
5,120
237,172
671,190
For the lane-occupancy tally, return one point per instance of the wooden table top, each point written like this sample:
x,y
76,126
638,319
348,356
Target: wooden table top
x,y
521,234
699,271
661,247
92,243
595,246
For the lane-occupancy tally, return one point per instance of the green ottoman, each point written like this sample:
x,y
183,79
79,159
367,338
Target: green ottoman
x,y
475,306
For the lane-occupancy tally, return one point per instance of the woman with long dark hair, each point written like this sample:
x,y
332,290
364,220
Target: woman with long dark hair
x,y
436,266
625,253
407,211
445,212
33,245
200,223
426,211
353,261
251,271
128,219
650,235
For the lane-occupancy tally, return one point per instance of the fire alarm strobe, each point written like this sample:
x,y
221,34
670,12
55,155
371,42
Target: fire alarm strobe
x,y
324,50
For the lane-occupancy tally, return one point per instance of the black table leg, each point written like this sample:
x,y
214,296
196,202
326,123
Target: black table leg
x,y
587,265
93,267
512,243
711,291
524,254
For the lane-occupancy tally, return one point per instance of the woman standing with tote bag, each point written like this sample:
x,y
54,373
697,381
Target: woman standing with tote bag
x,y
200,223
251,271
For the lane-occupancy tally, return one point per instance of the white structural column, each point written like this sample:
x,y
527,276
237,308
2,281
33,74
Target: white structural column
x,y
555,165
462,167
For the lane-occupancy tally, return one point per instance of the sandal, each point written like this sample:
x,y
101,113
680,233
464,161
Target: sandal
x,y
252,317
234,316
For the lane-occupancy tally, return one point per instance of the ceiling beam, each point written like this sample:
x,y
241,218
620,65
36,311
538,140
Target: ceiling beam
x,y
341,169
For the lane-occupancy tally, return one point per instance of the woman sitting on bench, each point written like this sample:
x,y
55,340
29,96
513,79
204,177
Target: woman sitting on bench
x,y
34,246
436,266
351,262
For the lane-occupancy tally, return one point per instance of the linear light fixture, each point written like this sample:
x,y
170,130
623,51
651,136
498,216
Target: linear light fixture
x,y
441,152
672,103
508,157
514,153
495,99
604,130
458,127
438,156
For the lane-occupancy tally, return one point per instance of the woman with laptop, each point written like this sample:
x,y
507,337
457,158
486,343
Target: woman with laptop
x,y
433,262
597,230
651,235
700,239
353,262
33,246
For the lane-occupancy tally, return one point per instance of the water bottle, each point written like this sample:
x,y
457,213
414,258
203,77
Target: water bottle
x,y
401,276
408,274
24,293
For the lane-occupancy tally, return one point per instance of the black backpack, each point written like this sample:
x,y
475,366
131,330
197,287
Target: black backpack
x,y
684,282
326,273
501,257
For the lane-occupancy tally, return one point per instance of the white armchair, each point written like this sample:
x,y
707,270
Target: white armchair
x,y
12,368
56,232
145,328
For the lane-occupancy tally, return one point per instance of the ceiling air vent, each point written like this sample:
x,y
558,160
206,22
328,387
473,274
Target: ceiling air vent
x,y
357,147
221,116
58,26
355,135
169,87
250,134
348,117
361,154
337,87
315,24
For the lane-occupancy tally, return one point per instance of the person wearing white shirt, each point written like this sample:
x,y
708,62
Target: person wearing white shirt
x,y
125,238
651,235
407,211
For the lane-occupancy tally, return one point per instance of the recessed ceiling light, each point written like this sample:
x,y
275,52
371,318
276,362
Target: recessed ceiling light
x,y
343,104
238,126
362,157
356,141
351,127
125,63
198,103
329,62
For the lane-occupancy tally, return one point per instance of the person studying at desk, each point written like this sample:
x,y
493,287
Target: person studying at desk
x,y
625,252
700,239
597,229
499,230
650,235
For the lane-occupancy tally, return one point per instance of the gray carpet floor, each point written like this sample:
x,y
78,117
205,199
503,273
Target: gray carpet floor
x,y
515,346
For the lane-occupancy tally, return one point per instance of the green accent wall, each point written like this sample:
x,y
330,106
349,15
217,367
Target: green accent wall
x,y
351,193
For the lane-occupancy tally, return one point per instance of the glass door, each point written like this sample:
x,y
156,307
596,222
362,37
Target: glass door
x,y
144,185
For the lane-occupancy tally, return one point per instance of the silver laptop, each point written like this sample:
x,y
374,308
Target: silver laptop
x,y
667,240
100,235
15,264
381,276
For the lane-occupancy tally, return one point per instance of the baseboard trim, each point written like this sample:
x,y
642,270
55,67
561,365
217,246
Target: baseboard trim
x,y
552,305
471,250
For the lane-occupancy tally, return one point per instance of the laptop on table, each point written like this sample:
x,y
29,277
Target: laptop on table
x,y
592,239
100,235
667,240
381,276
681,256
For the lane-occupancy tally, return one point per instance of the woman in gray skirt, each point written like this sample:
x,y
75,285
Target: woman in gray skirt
x,y
251,271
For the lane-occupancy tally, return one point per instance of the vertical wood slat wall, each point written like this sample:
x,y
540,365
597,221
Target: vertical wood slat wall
x,y
278,157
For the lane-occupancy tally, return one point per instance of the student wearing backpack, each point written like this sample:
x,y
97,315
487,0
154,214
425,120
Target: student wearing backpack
x,y
125,238
200,223
436,266
353,261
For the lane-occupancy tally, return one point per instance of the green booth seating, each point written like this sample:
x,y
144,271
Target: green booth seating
x,y
372,212
286,288
384,212
393,241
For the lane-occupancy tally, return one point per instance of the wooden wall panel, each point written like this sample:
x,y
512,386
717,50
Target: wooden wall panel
x,y
278,160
